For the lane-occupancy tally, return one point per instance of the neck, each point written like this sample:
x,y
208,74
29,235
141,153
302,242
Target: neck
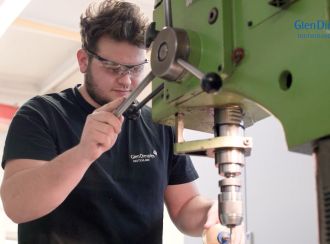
x,y
83,91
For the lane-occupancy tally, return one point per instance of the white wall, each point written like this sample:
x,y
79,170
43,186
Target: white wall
x,y
281,196
171,235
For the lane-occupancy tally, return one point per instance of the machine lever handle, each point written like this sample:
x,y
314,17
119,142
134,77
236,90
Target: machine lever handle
x,y
210,82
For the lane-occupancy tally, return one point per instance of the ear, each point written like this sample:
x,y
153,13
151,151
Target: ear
x,y
82,58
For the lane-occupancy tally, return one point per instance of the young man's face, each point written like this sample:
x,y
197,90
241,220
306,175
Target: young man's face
x,y
105,78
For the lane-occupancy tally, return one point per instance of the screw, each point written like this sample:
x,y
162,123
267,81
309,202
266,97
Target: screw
x,y
163,51
246,141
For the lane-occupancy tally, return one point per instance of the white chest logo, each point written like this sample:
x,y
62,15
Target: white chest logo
x,y
144,157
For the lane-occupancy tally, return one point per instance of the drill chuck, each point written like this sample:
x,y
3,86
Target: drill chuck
x,y
230,202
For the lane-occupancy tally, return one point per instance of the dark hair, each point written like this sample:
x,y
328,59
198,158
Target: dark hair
x,y
121,21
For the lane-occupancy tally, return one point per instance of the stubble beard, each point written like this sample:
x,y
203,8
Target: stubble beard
x,y
92,89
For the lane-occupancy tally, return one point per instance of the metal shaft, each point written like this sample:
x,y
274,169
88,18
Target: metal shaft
x,y
168,13
150,96
131,98
191,69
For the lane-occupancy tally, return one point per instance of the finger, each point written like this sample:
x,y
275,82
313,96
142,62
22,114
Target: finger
x,y
212,216
111,106
103,140
121,118
211,221
104,128
107,118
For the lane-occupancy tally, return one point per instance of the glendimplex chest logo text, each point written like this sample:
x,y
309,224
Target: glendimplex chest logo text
x,y
140,158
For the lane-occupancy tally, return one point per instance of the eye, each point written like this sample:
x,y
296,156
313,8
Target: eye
x,y
115,70
112,66
137,69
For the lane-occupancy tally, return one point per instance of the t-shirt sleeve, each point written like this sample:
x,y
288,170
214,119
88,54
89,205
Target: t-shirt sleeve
x,y
182,170
29,135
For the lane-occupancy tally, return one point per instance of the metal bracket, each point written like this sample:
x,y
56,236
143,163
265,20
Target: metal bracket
x,y
213,143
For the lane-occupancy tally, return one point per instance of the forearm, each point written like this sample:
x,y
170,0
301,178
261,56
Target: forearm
x,y
35,192
193,215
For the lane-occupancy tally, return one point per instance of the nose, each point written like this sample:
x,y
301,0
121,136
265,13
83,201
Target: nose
x,y
125,80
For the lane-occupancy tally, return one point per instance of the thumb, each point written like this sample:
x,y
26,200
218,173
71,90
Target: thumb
x,y
210,222
111,106
212,216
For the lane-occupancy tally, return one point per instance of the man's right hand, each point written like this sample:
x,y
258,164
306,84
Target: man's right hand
x,y
101,130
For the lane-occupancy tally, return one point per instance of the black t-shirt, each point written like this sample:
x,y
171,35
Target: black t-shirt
x,y
120,198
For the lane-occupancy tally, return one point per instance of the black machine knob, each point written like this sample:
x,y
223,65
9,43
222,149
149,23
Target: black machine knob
x,y
211,82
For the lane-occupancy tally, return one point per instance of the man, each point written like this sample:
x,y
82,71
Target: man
x,y
76,173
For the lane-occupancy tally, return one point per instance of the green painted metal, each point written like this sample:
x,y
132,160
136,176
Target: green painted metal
x,y
285,70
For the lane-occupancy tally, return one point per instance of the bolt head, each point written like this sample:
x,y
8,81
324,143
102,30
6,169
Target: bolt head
x,y
246,141
163,51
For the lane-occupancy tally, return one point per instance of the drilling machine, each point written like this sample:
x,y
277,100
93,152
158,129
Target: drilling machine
x,y
219,66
